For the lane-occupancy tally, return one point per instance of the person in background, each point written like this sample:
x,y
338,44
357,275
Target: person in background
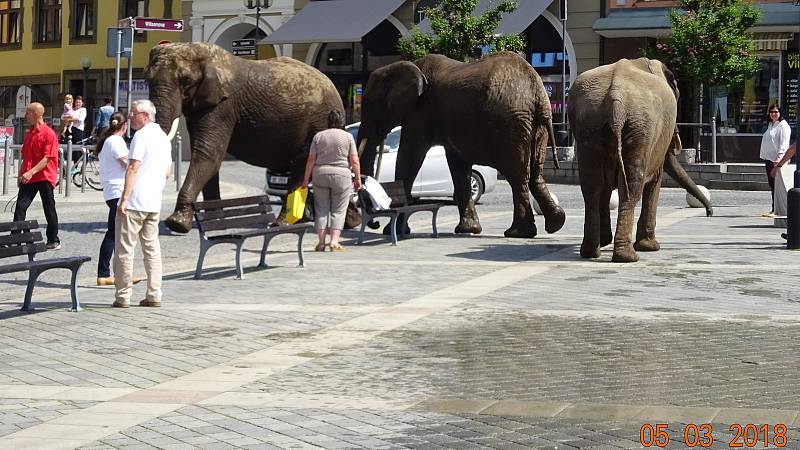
x,y
78,122
774,144
39,172
66,118
331,158
103,118
113,162
138,211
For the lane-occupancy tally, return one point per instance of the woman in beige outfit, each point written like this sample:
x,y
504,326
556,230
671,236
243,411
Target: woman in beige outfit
x,y
330,160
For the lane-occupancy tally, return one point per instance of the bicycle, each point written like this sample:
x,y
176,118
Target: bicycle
x,y
92,170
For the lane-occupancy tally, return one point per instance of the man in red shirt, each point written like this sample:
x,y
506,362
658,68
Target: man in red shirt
x,y
39,171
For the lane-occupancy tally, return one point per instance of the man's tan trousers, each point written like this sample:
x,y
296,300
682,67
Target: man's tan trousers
x,y
130,227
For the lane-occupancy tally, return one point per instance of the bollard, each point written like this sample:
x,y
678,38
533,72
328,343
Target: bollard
x,y
713,140
68,171
61,169
178,158
6,160
85,155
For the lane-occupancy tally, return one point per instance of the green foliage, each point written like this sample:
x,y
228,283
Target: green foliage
x,y
458,34
710,43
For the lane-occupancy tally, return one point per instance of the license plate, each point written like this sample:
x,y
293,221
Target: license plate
x,y
278,180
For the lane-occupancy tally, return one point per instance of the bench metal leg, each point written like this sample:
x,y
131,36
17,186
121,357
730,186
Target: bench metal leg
x,y
204,246
393,228
263,261
433,223
239,268
32,276
300,236
73,290
365,218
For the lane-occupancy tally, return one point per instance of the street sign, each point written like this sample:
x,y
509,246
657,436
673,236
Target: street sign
x,y
126,43
243,43
244,52
154,24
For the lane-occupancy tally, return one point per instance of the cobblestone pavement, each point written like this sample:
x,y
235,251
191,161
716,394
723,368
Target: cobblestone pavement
x,y
456,342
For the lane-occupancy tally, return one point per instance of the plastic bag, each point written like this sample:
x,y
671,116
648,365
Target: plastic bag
x,y
296,204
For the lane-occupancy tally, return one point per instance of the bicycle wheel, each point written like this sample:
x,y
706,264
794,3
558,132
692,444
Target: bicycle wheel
x,y
93,174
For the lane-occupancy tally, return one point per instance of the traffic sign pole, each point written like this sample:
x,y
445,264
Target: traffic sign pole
x,y
116,69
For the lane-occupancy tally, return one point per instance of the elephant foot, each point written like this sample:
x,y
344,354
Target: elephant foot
x,y
400,232
590,251
523,231
555,220
468,227
180,221
606,238
647,245
624,254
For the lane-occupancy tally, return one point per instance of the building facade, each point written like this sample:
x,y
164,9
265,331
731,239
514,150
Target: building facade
x,y
52,47
739,110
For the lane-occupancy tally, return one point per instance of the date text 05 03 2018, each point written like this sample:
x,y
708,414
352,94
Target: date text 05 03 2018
x,y
700,435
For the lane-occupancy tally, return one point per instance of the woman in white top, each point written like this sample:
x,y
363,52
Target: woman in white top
x,y
113,162
78,121
774,144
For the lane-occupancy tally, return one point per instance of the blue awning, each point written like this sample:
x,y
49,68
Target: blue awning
x,y
654,22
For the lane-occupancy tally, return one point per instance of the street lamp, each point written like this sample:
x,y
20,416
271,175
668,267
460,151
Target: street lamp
x,y
257,4
86,64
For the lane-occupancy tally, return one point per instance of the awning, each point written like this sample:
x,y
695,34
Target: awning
x,y
654,22
772,41
333,21
513,23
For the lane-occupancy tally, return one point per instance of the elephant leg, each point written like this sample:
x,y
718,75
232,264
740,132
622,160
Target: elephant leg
x,y
518,175
606,236
211,189
591,187
554,216
623,248
646,226
462,194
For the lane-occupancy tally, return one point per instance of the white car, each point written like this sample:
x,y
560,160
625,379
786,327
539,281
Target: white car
x,y
433,179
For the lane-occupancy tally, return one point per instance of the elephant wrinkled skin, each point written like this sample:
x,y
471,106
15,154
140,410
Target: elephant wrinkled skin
x,y
623,117
263,112
493,111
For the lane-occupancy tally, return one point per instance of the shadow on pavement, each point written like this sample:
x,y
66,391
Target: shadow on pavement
x,y
514,253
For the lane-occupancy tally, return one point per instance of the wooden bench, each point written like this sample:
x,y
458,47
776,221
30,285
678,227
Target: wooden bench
x,y
399,206
22,238
233,221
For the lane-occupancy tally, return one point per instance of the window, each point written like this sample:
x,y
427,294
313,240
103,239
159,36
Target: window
x,y
48,21
134,8
83,19
10,22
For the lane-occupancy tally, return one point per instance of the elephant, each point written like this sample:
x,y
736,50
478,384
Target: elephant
x,y
493,111
623,118
264,113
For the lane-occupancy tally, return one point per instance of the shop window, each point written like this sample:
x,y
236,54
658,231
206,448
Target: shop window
x,y
742,108
84,19
10,22
48,21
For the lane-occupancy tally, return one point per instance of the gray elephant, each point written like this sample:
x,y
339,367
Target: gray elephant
x,y
493,111
623,118
264,113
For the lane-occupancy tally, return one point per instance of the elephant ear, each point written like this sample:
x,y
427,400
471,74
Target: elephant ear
x,y
671,81
210,91
407,84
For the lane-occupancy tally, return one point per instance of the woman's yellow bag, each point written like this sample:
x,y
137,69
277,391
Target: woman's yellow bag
x,y
296,204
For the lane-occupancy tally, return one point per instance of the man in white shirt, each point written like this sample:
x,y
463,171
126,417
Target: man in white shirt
x,y
138,211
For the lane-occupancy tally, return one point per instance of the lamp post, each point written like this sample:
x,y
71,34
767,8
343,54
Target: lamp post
x,y
86,64
257,4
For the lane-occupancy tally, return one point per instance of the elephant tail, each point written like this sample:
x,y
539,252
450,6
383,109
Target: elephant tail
x,y
618,115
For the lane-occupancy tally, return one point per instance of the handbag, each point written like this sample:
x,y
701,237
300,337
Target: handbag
x,y
296,204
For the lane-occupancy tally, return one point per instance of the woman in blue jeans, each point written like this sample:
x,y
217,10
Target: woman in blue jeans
x,y
113,162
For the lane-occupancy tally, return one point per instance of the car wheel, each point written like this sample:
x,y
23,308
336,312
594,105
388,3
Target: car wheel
x,y
476,186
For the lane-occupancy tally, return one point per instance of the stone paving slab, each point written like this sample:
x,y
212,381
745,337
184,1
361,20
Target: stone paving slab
x,y
455,342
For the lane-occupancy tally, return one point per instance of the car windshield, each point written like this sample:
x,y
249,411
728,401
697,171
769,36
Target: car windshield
x,y
392,141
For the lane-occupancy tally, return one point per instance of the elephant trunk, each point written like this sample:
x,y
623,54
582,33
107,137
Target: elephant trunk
x,y
675,170
167,101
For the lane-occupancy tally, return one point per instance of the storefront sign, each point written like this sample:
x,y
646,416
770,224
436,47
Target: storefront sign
x,y
6,133
791,85
141,91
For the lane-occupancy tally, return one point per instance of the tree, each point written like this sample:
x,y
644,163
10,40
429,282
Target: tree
x,y
460,35
710,44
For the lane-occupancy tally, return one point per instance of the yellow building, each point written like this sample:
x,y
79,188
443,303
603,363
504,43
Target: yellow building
x,y
52,47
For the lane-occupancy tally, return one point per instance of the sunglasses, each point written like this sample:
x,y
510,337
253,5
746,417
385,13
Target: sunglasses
x,y
774,112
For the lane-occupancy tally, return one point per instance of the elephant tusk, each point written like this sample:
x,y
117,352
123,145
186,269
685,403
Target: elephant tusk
x,y
676,139
173,130
380,159
361,146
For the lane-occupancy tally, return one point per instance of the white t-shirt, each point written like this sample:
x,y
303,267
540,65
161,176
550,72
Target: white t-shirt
x,y
80,117
151,146
775,141
112,173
